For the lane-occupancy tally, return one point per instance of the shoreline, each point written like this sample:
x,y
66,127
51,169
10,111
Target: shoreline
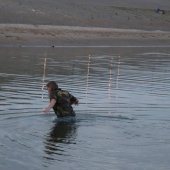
x,y
27,34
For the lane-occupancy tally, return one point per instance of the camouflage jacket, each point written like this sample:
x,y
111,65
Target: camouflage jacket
x,y
64,100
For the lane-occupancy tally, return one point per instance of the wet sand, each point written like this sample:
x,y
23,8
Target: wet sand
x,y
96,22
24,34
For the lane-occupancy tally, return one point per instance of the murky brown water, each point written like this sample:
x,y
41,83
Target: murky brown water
x,y
122,120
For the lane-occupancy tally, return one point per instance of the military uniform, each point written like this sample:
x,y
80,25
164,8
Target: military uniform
x,y
64,100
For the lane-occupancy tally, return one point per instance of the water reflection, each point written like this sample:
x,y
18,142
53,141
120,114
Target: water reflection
x,y
110,77
118,73
87,81
44,77
61,133
124,97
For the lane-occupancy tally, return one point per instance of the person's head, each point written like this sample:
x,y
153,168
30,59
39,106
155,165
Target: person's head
x,y
52,86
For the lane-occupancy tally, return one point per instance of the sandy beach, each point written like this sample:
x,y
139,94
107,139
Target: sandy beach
x,y
24,34
96,22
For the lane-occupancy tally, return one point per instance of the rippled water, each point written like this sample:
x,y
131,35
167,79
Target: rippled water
x,y
123,119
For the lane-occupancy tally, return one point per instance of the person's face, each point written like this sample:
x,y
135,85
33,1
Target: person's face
x,y
49,89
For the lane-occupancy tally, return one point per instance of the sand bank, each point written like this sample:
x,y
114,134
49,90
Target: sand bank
x,y
44,34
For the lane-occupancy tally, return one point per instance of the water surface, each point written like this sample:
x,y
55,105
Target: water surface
x,y
122,120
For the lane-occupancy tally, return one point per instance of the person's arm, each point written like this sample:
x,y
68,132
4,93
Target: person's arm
x,y
51,105
74,100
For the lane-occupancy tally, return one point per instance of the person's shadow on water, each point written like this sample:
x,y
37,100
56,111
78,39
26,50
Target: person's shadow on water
x,y
60,134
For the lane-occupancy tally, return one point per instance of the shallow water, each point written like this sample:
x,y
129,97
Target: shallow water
x,y
123,119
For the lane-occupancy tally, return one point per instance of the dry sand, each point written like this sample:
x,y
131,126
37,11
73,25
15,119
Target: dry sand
x,y
46,34
91,21
127,14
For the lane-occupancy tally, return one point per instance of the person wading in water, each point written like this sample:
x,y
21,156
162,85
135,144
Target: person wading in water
x,y
61,101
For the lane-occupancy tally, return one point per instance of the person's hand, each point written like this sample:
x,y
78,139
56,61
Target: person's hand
x,y
76,102
46,110
50,106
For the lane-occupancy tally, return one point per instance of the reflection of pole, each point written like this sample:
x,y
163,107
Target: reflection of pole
x,y
117,79
118,73
43,79
110,77
87,81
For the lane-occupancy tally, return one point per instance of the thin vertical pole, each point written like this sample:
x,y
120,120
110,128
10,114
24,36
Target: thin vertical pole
x,y
44,76
118,73
87,80
110,78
